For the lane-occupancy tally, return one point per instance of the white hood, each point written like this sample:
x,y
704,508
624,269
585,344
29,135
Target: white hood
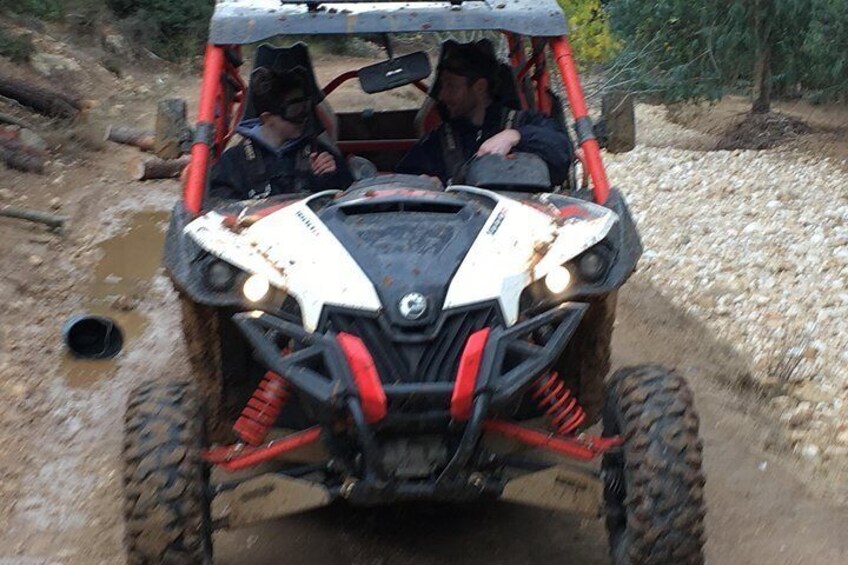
x,y
297,252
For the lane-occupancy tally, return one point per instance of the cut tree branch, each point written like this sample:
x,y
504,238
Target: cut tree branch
x,y
42,100
18,156
141,138
152,168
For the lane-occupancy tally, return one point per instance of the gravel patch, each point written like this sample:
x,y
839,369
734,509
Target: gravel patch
x,y
755,244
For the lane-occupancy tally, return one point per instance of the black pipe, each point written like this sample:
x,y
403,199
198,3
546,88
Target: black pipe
x,y
469,439
370,451
93,337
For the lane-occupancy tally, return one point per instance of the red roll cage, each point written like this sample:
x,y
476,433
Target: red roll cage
x,y
223,92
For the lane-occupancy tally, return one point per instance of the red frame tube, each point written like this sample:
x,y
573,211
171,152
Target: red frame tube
x,y
239,96
543,98
236,457
339,80
516,57
591,150
195,183
584,448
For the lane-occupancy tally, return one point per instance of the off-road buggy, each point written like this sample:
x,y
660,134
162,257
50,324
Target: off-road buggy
x,y
401,340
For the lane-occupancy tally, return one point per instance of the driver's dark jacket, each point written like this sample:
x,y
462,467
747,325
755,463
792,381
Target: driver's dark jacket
x,y
254,169
539,135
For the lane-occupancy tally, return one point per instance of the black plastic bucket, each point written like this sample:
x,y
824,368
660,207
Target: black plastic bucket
x,y
93,337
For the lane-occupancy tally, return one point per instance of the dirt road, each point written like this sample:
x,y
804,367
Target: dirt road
x,y
60,422
758,510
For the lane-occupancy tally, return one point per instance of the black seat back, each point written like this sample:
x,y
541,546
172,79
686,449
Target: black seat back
x,y
506,91
287,58
431,114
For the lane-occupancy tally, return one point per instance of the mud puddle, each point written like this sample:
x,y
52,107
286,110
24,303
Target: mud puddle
x,y
122,278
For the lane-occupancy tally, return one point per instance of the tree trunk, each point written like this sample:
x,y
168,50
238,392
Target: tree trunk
x,y
763,17
171,128
143,139
153,168
18,156
41,100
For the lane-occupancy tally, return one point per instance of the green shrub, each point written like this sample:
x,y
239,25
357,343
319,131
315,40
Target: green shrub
x,y
48,9
589,31
173,30
18,49
124,8
683,50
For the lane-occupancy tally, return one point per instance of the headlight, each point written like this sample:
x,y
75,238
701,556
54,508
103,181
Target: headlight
x,y
558,280
593,265
256,288
220,276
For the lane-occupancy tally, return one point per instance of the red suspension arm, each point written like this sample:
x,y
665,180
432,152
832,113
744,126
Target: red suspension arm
x,y
591,149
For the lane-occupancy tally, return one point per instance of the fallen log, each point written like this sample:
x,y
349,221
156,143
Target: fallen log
x,y
18,156
51,220
152,168
42,100
141,138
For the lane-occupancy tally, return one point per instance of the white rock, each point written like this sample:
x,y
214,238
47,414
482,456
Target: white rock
x,y
810,452
116,44
48,64
32,139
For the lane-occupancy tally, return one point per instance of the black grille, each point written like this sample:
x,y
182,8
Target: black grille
x,y
402,356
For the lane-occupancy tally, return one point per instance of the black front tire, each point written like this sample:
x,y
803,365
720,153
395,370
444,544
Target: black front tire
x,y
585,362
654,486
166,502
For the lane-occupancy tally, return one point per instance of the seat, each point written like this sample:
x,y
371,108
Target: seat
x,y
285,58
429,116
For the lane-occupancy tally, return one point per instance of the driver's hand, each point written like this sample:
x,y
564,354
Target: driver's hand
x,y
322,163
500,144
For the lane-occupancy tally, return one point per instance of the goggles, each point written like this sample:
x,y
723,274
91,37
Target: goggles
x,y
296,110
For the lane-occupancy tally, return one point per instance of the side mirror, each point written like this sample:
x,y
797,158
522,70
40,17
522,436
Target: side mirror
x,y
395,72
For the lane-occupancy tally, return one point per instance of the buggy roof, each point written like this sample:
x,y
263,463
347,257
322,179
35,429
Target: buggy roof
x,y
238,22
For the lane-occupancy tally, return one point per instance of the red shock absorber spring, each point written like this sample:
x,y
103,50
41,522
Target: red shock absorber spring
x,y
262,409
556,400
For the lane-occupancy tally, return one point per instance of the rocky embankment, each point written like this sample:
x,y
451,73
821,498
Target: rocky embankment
x,y
755,244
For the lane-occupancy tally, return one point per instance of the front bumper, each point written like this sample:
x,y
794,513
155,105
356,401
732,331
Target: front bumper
x,y
326,380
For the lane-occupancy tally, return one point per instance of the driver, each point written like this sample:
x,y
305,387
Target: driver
x,y
280,152
478,123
